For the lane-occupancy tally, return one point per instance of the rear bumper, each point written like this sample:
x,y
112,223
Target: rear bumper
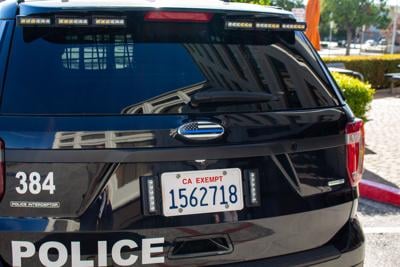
x,y
314,232
347,248
324,256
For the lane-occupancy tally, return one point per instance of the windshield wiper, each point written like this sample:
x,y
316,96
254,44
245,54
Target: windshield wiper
x,y
230,97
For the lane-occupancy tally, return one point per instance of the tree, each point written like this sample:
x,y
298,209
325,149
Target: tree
x,y
288,4
352,14
259,2
285,4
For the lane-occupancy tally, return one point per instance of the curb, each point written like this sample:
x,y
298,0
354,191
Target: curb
x,y
380,192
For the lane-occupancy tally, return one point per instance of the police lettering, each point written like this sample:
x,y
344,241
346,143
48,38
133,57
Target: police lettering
x,y
25,249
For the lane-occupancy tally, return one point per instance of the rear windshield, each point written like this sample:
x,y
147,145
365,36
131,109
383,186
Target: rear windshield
x,y
157,69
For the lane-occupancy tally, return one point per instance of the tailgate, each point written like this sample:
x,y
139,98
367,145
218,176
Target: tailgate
x,y
168,140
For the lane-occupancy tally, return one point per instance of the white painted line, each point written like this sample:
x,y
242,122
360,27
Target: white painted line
x,y
382,230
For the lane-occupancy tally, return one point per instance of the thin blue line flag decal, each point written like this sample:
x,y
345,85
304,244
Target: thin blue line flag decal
x,y
201,130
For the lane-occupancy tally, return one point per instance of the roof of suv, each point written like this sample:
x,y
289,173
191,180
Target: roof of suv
x,y
36,6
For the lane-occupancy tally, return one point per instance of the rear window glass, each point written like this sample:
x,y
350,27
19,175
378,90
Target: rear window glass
x,y
144,70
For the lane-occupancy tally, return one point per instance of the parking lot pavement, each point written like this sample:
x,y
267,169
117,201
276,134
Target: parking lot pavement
x,y
382,161
381,225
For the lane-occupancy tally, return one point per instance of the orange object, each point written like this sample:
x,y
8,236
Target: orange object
x,y
312,19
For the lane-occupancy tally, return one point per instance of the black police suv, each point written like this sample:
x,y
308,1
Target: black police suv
x,y
172,133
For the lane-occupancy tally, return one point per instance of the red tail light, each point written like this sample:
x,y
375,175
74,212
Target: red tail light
x,y
2,170
199,17
355,147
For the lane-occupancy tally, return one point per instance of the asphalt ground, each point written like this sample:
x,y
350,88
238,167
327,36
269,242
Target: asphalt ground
x,y
381,224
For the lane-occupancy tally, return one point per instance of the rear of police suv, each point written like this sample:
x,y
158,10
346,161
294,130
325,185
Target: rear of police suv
x,y
172,133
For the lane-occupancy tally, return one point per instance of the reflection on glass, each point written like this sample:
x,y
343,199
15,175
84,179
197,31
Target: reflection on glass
x,y
123,72
107,139
96,57
272,69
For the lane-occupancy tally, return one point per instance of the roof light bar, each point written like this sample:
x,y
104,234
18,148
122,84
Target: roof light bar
x,y
68,21
270,26
198,17
239,25
109,21
249,25
298,26
63,20
33,21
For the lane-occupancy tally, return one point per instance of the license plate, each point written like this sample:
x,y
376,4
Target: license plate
x,y
196,192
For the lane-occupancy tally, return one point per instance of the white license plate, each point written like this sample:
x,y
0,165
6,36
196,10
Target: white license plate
x,y
196,192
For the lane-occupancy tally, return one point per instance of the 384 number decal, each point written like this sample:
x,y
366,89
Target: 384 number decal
x,y
34,184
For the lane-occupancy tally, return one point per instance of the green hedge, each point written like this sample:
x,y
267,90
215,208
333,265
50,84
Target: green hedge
x,y
358,94
372,67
